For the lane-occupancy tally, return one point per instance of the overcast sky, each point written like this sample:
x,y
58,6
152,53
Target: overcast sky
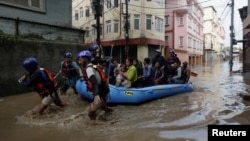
x,y
224,13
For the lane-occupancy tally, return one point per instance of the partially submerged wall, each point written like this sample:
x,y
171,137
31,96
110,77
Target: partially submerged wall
x,y
13,53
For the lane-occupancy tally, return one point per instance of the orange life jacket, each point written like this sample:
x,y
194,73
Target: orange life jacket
x,y
46,89
68,70
103,76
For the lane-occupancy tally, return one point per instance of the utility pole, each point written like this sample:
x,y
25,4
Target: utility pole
x,y
97,7
231,36
126,29
98,15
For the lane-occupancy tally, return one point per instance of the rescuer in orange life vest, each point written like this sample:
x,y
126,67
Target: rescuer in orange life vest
x,y
42,81
97,84
70,72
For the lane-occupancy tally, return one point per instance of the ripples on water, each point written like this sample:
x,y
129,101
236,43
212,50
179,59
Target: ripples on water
x,y
217,95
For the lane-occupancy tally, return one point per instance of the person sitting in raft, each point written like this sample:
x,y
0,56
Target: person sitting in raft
x,y
120,80
116,68
177,79
158,74
183,72
147,78
131,73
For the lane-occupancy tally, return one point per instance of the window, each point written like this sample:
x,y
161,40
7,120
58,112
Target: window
x,y
116,26
189,42
81,12
36,5
108,4
76,15
189,22
148,22
87,32
181,41
115,3
108,27
93,31
87,12
136,22
167,20
181,20
166,39
158,24
124,20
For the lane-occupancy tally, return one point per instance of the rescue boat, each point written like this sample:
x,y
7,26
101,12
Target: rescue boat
x,y
122,95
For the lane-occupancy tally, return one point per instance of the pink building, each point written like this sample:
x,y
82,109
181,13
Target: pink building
x,y
184,29
245,17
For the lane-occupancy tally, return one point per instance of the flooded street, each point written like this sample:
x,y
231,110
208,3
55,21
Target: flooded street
x,y
218,98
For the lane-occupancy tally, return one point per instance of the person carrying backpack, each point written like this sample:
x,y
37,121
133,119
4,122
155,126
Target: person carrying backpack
x,y
97,84
43,83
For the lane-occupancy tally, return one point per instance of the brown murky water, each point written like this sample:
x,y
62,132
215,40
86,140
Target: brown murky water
x,y
218,98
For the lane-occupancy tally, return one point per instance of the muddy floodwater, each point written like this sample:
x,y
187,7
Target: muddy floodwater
x,y
218,98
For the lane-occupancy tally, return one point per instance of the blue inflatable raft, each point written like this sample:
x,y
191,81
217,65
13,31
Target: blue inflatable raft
x,y
122,95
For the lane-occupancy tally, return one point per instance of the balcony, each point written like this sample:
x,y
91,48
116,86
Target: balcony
x,y
181,10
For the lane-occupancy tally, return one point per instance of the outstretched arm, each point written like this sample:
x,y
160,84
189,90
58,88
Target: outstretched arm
x,y
59,72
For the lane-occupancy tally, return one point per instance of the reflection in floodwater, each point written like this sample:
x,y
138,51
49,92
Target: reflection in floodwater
x,y
217,96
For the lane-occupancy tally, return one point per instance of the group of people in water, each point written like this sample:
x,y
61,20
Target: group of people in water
x,y
98,73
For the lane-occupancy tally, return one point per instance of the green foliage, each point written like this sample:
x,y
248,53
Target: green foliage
x,y
7,38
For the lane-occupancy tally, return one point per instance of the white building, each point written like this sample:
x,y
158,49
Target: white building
x,y
146,32
214,34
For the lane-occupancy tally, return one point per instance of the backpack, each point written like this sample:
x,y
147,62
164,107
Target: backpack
x,y
53,84
103,76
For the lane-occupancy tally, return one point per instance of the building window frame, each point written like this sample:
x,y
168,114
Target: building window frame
x,y
116,26
148,22
181,41
33,5
136,22
108,27
158,24
181,20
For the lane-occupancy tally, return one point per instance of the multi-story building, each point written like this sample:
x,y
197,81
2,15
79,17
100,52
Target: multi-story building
x,y
146,26
214,35
39,19
184,29
51,12
245,17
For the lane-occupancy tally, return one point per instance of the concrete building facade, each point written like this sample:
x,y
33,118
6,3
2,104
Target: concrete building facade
x,y
146,26
184,29
54,12
214,34
245,18
37,28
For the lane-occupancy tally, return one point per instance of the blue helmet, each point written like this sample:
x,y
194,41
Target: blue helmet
x,y
94,47
68,55
30,62
84,53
